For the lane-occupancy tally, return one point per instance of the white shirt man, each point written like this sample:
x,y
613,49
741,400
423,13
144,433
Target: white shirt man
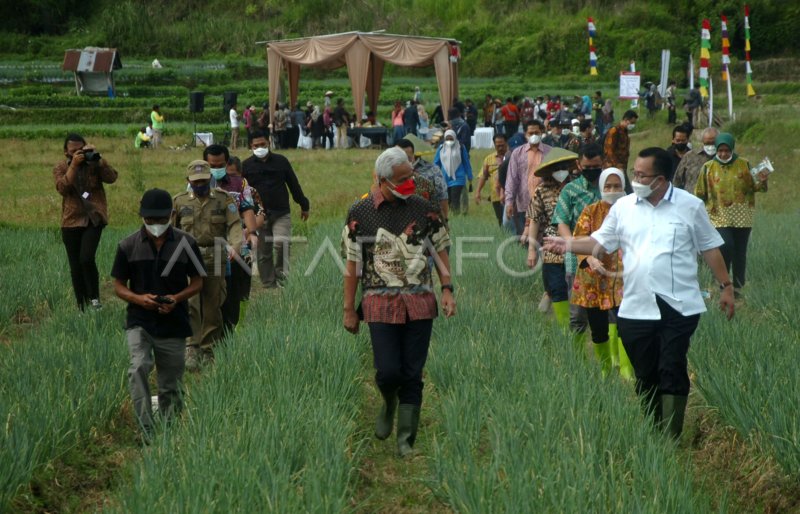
x,y
234,118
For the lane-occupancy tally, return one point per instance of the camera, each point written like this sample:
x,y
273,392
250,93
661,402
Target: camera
x,y
91,155
164,299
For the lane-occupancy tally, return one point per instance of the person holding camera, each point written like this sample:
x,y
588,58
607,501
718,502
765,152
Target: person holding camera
x,y
79,180
156,270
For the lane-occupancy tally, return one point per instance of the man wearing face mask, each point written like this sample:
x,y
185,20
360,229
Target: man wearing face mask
x,y
617,143
84,214
156,270
680,145
521,181
210,216
573,199
389,236
239,278
489,173
274,178
660,230
692,162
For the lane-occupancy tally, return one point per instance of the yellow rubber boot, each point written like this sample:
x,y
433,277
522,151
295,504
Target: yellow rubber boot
x,y
625,366
603,353
613,341
561,310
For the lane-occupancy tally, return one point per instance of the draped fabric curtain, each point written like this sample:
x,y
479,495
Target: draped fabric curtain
x,y
365,56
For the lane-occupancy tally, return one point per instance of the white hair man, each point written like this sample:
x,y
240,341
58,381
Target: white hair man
x,y
389,236
691,163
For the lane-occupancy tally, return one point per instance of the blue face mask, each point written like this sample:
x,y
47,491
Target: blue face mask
x,y
201,191
218,173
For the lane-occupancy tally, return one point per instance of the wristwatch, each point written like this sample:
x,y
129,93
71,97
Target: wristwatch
x,y
449,287
725,284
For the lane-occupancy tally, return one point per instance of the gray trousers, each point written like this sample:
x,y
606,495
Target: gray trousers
x,y
273,249
168,355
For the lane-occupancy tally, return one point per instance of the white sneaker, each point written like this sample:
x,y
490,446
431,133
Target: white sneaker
x,y
154,403
96,305
545,303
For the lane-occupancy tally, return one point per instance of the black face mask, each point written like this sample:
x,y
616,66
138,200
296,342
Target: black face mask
x,y
591,174
681,147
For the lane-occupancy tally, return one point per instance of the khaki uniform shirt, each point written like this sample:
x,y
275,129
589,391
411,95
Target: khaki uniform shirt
x,y
208,218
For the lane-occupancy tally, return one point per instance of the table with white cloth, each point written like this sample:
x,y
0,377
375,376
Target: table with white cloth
x,y
483,138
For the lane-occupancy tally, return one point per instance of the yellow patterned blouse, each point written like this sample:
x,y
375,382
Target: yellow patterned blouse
x,y
590,288
729,192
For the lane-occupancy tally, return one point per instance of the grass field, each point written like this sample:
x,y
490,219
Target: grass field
x,y
512,421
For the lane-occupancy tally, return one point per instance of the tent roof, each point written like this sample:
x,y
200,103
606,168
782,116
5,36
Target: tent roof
x,y
358,33
92,59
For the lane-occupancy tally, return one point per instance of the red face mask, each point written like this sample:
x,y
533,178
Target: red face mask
x,y
404,189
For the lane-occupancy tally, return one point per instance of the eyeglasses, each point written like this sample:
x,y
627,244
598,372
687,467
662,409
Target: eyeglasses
x,y
637,175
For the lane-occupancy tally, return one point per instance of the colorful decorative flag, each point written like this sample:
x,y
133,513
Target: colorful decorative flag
x,y
705,56
726,48
592,54
749,69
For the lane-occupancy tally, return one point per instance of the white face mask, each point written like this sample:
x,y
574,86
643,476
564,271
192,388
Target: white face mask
x,y
260,153
631,126
560,175
535,139
643,191
710,150
449,143
576,130
156,230
612,197
724,161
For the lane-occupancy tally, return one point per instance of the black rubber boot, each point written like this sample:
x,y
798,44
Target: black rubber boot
x,y
407,423
673,408
385,421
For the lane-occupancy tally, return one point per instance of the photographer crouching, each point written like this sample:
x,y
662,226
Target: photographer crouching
x,y
84,213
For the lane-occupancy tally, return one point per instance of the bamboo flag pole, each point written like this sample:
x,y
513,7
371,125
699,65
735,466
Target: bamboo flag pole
x,y
726,61
705,56
592,54
749,69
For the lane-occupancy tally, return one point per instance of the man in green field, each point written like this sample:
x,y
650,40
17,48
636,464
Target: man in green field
x,y
389,235
210,216
156,269
660,229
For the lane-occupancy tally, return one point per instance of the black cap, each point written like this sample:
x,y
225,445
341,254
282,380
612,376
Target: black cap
x,y
156,203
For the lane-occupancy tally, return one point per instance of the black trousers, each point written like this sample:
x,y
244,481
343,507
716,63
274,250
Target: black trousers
x,y
454,198
734,251
498,212
598,322
239,283
81,244
657,349
399,352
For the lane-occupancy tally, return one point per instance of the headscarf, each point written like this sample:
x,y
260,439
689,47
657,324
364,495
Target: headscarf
x,y
725,138
607,173
315,113
450,155
587,104
421,112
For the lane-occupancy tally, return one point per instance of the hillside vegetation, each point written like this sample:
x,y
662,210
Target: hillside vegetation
x,y
499,37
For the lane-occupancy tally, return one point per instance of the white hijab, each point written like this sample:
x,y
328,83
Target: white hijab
x,y
450,155
607,173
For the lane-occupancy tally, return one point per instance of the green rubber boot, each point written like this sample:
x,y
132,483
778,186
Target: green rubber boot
x,y
243,305
561,310
613,341
625,366
385,421
603,353
407,423
673,409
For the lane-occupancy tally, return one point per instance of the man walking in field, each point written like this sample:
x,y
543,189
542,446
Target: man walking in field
x,y
156,270
617,143
660,230
692,162
208,214
387,240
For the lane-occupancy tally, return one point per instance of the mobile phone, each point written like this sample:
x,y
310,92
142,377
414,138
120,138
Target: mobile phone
x,y
164,299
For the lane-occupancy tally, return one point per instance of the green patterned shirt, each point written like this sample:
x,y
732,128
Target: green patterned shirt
x,y
573,199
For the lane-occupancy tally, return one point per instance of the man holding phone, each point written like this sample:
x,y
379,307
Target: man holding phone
x,y
156,270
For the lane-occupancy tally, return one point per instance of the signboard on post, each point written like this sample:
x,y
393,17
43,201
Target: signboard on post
x,y
629,84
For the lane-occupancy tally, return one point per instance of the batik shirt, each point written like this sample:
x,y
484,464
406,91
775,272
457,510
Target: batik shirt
x,y
391,243
729,192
